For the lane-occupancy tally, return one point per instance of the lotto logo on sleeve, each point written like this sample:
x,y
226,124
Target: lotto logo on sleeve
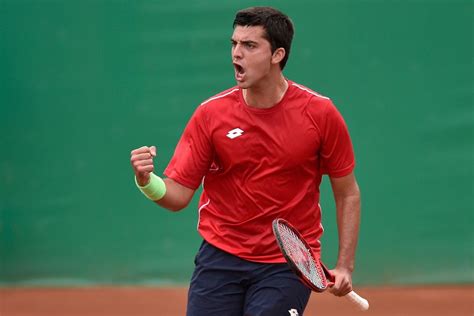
x,y
236,132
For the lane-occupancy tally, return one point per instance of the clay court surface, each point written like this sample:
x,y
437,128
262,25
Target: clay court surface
x,y
147,301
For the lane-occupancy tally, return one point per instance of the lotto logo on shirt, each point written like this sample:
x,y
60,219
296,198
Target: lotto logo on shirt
x,y
236,132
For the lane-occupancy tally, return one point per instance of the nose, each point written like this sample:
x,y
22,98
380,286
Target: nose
x,y
236,51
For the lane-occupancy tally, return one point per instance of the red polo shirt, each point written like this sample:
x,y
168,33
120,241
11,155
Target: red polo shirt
x,y
259,164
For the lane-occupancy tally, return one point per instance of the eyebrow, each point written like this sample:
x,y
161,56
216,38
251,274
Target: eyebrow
x,y
243,42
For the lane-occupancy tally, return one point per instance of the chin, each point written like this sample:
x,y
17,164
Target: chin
x,y
242,85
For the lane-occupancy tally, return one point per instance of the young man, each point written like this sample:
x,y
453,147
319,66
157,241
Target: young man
x,y
260,150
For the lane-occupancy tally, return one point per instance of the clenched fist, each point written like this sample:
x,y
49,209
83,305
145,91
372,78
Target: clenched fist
x,y
142,163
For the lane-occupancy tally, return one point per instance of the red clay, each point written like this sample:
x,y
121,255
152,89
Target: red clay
x,y
147,301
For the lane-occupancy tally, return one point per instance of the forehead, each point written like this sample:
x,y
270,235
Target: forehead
x,y
249,33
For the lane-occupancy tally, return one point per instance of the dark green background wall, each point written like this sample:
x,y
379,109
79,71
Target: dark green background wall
x,y
85,82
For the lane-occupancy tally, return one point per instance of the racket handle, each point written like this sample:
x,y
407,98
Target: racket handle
x,y
355,298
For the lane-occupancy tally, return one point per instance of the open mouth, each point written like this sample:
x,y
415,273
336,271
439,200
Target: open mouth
x,y
239,72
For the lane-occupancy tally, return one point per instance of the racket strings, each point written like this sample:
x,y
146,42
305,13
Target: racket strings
x,y
301,256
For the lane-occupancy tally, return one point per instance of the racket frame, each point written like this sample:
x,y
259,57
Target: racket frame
x,y
321,269
328,279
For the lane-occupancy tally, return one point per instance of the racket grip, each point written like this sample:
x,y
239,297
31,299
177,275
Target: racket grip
x,y
355,298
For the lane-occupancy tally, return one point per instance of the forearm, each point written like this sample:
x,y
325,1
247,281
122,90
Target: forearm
x,y
348,222
167,193
347,198
176,197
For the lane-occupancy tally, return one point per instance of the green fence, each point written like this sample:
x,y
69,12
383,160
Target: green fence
x,y
85,82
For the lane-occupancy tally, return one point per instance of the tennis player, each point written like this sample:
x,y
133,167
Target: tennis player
x,y
259,150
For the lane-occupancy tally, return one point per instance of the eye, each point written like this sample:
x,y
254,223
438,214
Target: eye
x,y
250,45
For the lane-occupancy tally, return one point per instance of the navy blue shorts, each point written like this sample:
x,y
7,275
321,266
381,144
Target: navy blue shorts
x,y
225,285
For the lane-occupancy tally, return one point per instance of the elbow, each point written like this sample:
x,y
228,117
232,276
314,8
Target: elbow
x,y
176,208
173,207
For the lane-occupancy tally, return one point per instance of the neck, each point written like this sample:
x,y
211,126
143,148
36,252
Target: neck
x,y
267,94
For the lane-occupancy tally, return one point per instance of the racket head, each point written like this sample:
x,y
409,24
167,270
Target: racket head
x,y
300,257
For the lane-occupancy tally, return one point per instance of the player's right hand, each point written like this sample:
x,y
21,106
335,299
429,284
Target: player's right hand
x,y
142,163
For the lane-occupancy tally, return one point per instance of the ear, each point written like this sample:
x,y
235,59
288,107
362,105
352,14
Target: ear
x,y
278,55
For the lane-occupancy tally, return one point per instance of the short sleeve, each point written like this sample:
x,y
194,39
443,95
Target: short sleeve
x,y
193,154
337,154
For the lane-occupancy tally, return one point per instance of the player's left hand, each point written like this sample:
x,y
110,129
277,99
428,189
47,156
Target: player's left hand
x,y
342,281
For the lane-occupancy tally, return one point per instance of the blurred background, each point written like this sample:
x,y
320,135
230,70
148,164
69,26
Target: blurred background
x,y
82,83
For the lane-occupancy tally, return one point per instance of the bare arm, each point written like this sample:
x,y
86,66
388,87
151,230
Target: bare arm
x,y
177,196
347,198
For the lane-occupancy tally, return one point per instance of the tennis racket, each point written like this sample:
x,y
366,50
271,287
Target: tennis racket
x,y
304,264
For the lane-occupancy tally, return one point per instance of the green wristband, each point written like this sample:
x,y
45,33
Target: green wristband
x,y
155,189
